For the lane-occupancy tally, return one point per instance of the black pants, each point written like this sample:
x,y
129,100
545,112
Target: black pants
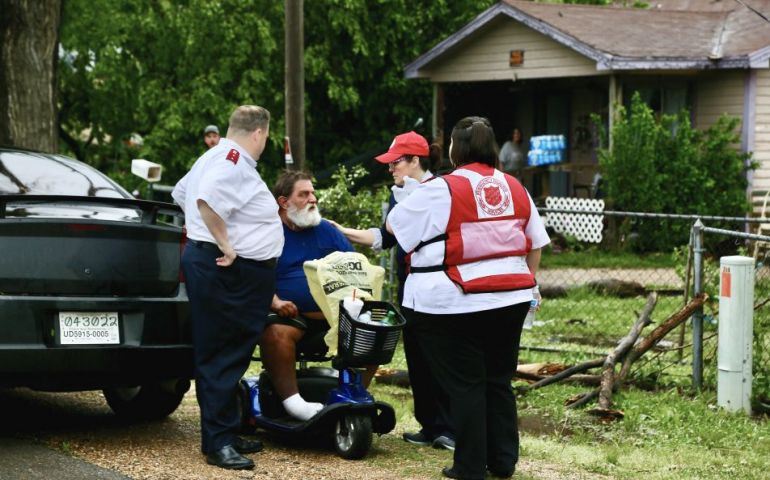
x,y
431,403
473,356
229,306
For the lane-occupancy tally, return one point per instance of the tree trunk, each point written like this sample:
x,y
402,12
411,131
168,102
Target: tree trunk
x,y
29,39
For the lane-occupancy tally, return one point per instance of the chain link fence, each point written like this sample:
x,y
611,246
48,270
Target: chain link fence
x,y
594,291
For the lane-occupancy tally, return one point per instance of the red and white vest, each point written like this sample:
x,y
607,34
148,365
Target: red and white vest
x,y
485,247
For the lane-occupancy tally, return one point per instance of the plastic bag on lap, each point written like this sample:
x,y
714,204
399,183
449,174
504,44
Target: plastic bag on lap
x,y
334,277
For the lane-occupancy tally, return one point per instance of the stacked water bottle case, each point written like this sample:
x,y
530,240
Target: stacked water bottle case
x,y
546,149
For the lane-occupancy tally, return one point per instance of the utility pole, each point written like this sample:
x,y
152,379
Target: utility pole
x,y
295,80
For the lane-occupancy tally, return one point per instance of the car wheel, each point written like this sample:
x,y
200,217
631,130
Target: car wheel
x,y
151,401
353,435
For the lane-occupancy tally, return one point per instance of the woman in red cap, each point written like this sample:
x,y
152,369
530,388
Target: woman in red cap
x,y
475,238
409,159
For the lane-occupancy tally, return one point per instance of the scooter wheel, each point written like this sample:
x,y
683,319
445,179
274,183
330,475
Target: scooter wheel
x,y
353,435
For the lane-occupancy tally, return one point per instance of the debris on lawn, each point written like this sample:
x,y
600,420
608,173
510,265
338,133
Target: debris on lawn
x,y
629,349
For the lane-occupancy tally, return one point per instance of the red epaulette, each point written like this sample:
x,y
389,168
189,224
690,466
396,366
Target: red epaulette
x,y
233,156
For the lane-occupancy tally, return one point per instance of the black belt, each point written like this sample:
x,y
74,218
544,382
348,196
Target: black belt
x,y
270,262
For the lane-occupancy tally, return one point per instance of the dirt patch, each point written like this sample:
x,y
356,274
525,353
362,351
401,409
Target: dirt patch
x,y
81,425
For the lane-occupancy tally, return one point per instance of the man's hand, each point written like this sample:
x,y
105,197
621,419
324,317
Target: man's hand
x,y
284,308
228,258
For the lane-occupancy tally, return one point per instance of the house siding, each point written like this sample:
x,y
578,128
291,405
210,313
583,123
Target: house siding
x,y
486,57
761,143
718,93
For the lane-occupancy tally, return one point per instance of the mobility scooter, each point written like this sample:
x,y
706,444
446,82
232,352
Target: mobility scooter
x,y
351,414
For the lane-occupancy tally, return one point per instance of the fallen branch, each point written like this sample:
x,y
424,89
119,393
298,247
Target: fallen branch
x,y
659,332
604,392
589,380
542,369
581,399
582,367
625,344
642,347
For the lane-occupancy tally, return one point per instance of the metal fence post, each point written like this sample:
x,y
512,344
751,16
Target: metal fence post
x,y
697,316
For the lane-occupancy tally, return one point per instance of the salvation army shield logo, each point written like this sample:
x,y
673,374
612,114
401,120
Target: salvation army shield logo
x,y
492,196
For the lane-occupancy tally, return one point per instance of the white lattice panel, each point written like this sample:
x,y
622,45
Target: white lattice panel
x,y
586,228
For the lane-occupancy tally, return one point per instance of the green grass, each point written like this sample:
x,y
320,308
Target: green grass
x,y
593,257
667,432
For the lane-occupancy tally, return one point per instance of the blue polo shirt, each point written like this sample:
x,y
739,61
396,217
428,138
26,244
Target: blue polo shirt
x,y
299,247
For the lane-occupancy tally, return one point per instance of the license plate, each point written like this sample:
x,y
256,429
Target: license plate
x,y
89,328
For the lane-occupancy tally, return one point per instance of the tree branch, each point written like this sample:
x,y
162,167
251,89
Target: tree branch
x,y
625,344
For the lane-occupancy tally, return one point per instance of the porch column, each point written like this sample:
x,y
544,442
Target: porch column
x,y
437,117
748,125
616,96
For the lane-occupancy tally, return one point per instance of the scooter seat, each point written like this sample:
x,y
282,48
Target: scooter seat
x,y
311,347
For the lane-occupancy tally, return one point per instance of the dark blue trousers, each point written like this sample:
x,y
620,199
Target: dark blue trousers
x,y
229,306
473,357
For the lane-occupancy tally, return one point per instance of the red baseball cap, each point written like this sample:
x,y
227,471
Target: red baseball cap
x,y
410,143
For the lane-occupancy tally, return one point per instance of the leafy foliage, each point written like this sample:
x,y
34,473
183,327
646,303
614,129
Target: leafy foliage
x,y
665,165
362,209
164,70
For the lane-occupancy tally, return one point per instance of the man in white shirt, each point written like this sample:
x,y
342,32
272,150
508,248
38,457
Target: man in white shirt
x,y
234,235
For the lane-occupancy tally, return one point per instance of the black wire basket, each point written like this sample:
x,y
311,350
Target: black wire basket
x,y
362,344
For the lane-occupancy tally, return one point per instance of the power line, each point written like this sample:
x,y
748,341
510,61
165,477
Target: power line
x,y
761,15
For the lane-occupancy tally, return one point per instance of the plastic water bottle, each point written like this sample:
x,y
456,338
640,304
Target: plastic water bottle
x,y
529,320
390,318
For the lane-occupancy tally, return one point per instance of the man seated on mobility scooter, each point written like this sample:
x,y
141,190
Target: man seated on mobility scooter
x,y
298,325
297,320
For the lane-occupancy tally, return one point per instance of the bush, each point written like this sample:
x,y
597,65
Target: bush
x,y
664,165
351,206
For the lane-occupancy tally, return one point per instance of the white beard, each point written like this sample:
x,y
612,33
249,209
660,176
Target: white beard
x,y
305,218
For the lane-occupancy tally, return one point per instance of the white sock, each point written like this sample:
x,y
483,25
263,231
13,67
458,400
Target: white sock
x,y
299,408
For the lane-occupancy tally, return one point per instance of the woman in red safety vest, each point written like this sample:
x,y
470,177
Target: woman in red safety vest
x,y
409,159
475,238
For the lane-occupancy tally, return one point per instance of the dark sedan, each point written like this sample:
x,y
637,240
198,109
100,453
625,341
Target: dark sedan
x,y
91,295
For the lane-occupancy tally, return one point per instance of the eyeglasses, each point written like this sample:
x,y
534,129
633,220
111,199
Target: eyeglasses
x,y
392,165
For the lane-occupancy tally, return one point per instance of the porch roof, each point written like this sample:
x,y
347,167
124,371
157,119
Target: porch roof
x,y
673,35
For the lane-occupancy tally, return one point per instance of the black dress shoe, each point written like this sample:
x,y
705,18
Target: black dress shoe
x,y
229,458
241,445
450,472
500,473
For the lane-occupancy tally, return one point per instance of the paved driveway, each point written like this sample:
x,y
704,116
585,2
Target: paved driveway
x,y
25,459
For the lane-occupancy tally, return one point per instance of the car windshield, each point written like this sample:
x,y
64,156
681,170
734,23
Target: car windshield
x,y
36,174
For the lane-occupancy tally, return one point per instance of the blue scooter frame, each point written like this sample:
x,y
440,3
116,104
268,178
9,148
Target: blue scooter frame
x,y
350,413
